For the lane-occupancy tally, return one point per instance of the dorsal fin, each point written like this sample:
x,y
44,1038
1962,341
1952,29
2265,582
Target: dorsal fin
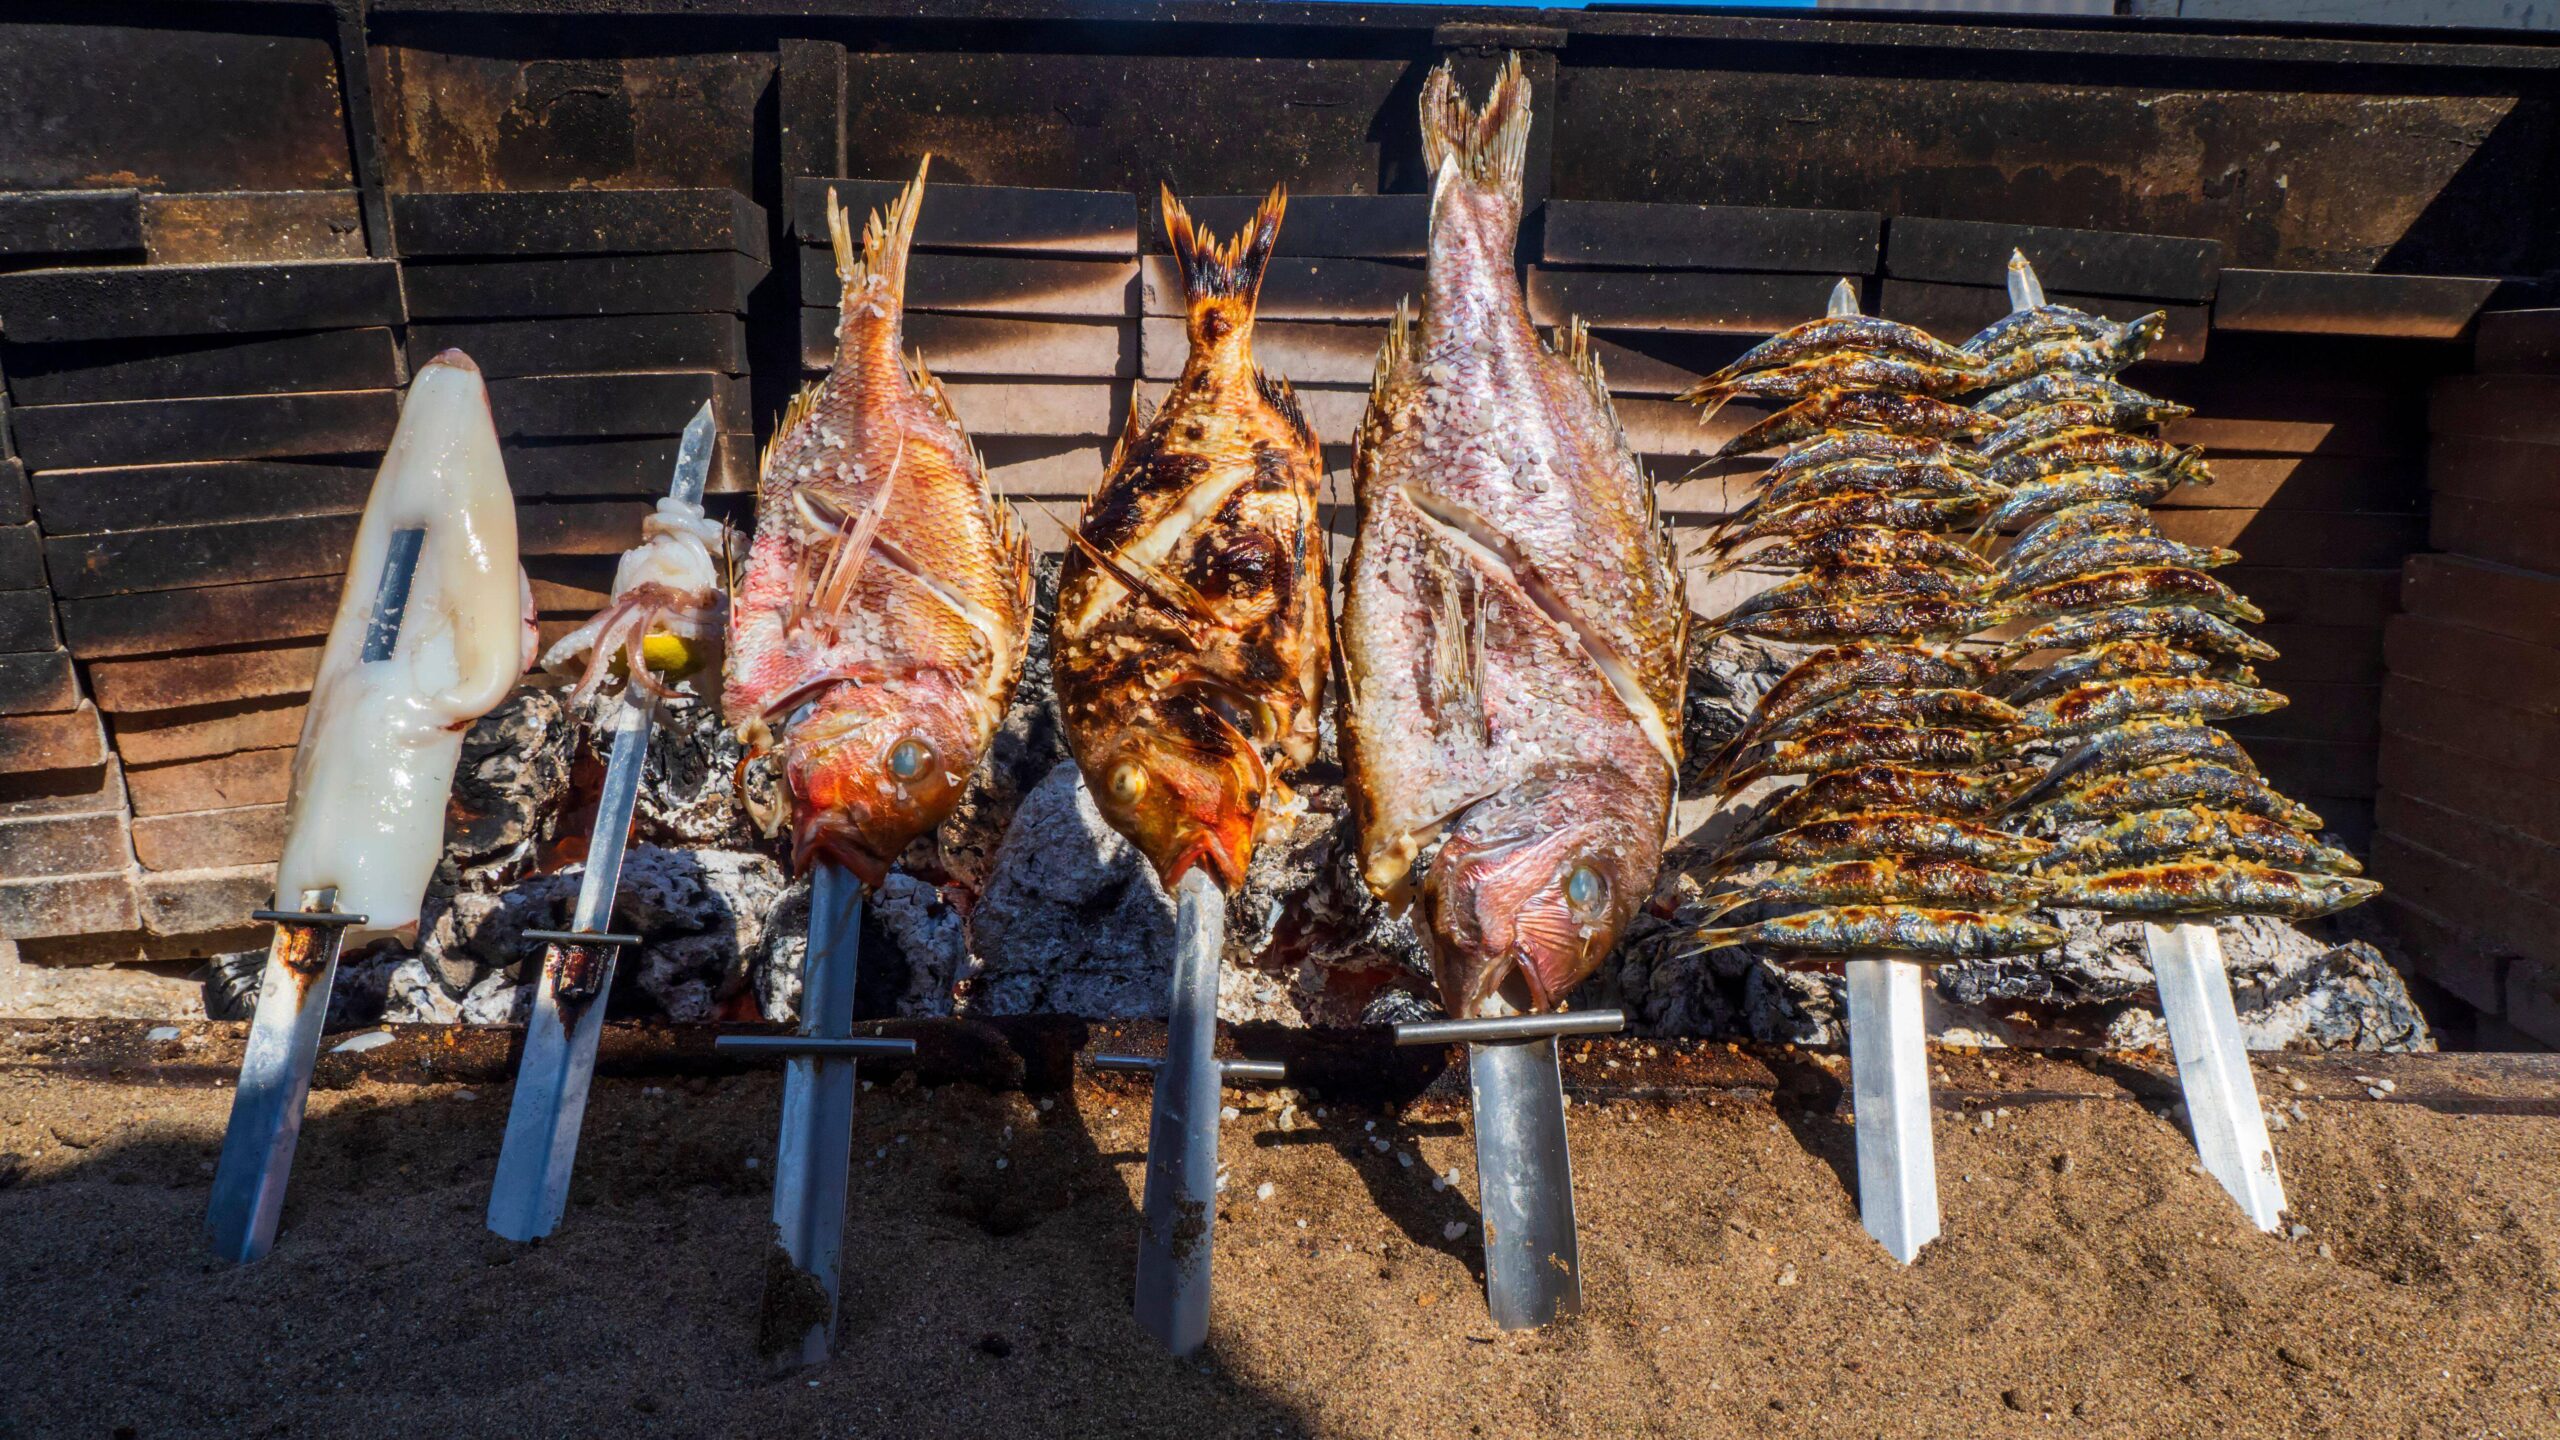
x,y
2026,292
929,386
1844,300
1276,393
1132,431
794,412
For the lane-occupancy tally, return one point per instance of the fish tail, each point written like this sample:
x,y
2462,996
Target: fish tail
x,y
1719,906
886,237
1490,146
1723,936
1222,279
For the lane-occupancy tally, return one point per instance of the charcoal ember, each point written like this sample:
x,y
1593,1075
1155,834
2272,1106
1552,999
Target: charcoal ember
x,y
774,970
701,918
508,790
1026,747
1670,987
2097,965
932,937
414,994
231,983
1072,920
362,986
689,785
1727,676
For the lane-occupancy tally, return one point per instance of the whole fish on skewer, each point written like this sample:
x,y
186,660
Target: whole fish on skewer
x,y
2087,520
1829,621
1907,834
2115,660
1865,545
1851,581
1913,415
2175,782
1834,446
2096,554
2063,386
1513,621
2078,486
1942,709
881,619
2092,355
1842,746
2105,704
1875,477
1841,369
1812,517
2142,587
1190,649
2187,626
1885,881
2180,832
2136,746
1910,932
2128,412
1866,664
2091,447
1839,334
2211,887
1953,794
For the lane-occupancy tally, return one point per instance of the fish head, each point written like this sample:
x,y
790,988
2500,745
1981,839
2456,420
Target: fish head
x,y
1532,886
1187,787
871,767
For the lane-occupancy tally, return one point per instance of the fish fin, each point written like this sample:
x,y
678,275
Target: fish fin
x,y
1177,601
794,413
1722,937
929,387
1276,393
1393,371
1218,274
1490,146
1133,431
2026,292
886,237
1719,906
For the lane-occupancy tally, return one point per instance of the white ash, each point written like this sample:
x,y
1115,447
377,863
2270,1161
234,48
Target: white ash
x,y
1072,919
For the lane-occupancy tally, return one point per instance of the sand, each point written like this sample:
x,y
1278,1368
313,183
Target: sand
x,y
2092,1282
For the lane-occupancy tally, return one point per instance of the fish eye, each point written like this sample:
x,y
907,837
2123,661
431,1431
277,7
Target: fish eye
x,y
909,757
1586,887
1128,781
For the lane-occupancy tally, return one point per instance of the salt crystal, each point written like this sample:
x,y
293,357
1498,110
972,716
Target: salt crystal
x,y
1453,1229
358,1044
158,1033
1265,1190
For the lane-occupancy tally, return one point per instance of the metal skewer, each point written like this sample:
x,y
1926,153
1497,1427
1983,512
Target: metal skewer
x,y
1181,1204
293,1002
2223,1112
811,1169
550,1103
1889,1084
1524,1166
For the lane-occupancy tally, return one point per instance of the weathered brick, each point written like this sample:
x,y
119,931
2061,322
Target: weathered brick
x,y
68,905
35,846
185,902
158,736
251,777
71,740
242,835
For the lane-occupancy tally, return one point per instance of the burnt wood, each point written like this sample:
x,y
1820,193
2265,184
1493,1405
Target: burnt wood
x,y
21,558
594,527
86,372
981,217
176,682
2458,590
1298,288
623,467
2312,596
2300,538
1677,300
250,777
997,284
583,406
578,222
588,344
2308,482
2086,262
809,82
189,556
199,839
161,621
257,225
139,301
35,744
2497,407
2496,668
2323,302
244,427
2322,655
17,498
1377,227
988,345
219,729
2503,472
1955,312
45,223
581,285
26,621
1712,237
78,502
2519,739
37,683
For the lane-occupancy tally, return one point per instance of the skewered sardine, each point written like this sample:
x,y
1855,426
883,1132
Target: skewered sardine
x,y
1840,370
1909,834
2114,660
1931,935
1841,445
1830,621
2185,626
2212,887
1956,794
1886,882
2132,410
2066,488
1842,746
2090,355
2058,386
1842,583
1837,334
1915,415
888,591
2177,782
2143,587
1191,648
1867,545
2093,554
1874,477
1912,512
1513,622
2104,704
2136,746
1868,664
2155,836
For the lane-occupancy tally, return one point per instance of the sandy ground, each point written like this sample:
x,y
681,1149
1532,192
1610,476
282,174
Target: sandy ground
x,y
2092,1281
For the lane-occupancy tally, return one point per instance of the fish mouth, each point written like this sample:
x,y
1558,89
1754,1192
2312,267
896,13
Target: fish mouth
x,y
825,839
1207,848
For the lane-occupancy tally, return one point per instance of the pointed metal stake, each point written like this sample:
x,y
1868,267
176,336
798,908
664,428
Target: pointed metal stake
x,y
275,1077
1889,1085
2223,1112
1524,1166
550,1102
811,1169
1181,1202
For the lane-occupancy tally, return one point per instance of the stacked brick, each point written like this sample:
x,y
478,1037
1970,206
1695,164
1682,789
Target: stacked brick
x,y
603,320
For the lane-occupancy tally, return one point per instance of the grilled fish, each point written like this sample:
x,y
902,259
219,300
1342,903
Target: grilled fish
x,y
2115,660
2088,446
1913,415
2055,387
2185,626
1190,647
1934,935
1886,882
1829,621
1874,477
1910,512
2092,554
1909,834
1867,664
1840,334
1838,445
1513,623
2130,411
2212,887
1955,794
1840,370
2176,782
2145,587
2136,746
2090,355
1867,545
883,612
2153,836
2079,486
2105,704
1845,745
1837,584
